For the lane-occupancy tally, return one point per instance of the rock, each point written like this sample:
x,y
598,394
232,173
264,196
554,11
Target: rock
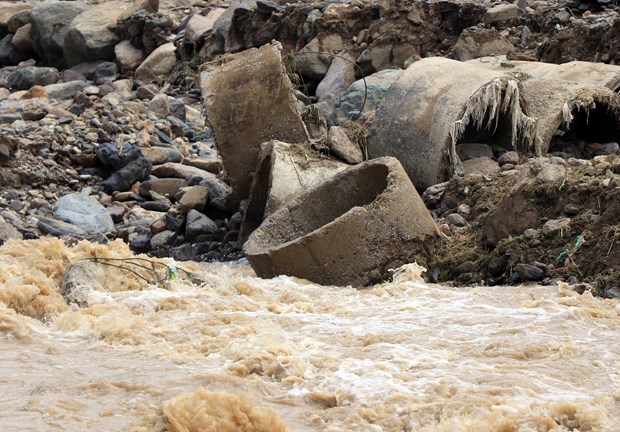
x,y
529,272
128,165
159,105
166,186
467,151
128,57
8,231
177,109
212,165
249,101
375,58
158,64
374,89
341,146
480,165
476,42
198,224
160,155
19,19
225,39
549,173
7,53
105,71
194,197
22,42
200,26
85,212
7,12
8,145
456,219
59,228
91,35
339,76
64,91
50,22
554,226
509,157
142,242
314,66
24,78
348,230
613,293
177,170
595,149
147,91
497,265
500,13
162,239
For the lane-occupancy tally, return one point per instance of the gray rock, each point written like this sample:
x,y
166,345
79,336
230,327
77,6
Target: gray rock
x,y
312,65
50,22
501,12
194,197
197,224
555,226
24,78
339,76
6,50
66,90
105,71
85,212
158,64
594,149
166,186
456,219
481,165
159,105
478,42
128,164
529,272
59,228
510,157
128,57
142,242
177,108
162,239
467,151
376,84
223,31
91,34
8,231
375,58
200,26
341,146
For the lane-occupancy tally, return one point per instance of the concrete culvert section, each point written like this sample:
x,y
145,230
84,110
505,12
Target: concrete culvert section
x,y
348,230
438,104
573,119
595,74
284,172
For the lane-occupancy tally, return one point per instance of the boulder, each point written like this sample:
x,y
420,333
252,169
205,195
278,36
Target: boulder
x,y
158,64
339,76
85,212
349,230
64,91
198,224
312,65
249,101
194,197
50,22
7,12
500,13
225,35
128,57
91,34
24,78
199,26
477,42
284,172
59,228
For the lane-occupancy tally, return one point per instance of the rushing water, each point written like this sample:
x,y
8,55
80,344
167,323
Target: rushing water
x,y
238,353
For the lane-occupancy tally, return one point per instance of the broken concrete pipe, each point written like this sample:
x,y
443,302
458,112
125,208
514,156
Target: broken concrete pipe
x,y
437,104
348,230
284,172
595,74
249,100
570,113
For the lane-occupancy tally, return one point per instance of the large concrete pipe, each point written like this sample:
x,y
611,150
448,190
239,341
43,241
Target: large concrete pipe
x,y
348,230
438,103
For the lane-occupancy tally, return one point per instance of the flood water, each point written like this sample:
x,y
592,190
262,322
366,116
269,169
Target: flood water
x,y
238,353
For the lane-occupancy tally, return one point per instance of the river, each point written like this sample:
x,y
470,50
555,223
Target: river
x,y
232,352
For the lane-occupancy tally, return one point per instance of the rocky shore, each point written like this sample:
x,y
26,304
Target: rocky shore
x,y
116,122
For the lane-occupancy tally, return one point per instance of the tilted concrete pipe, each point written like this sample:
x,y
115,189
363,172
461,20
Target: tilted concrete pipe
x,y
348,230
437,103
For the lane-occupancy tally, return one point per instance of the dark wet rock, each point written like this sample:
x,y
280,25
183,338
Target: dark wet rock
x,y
527,272
198,224
106,71
497,265
24,78
141,242
162,239
127,163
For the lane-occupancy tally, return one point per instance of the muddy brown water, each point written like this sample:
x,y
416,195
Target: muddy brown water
x,y
238,353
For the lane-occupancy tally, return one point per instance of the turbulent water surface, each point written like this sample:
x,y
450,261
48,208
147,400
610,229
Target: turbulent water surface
x,y
236,353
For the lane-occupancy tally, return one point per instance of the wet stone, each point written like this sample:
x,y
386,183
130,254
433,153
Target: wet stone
x,y
527,272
